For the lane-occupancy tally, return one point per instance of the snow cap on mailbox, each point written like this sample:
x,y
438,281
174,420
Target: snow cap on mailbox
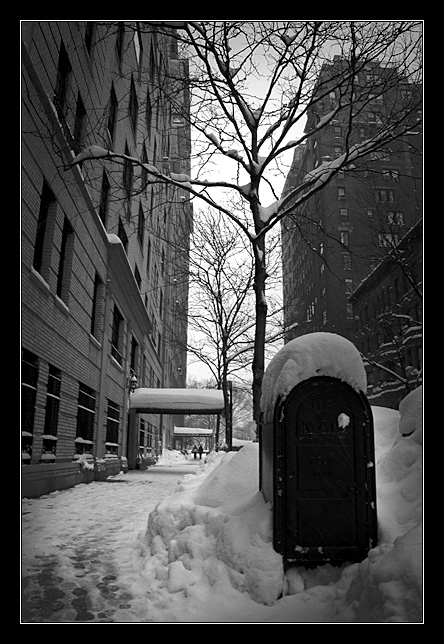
x,y
314,354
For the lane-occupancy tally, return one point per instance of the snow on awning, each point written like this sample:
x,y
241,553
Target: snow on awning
x,y
192,431
176,401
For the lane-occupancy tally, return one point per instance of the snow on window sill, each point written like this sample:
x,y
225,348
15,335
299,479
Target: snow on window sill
x,y
61,305
94,341
39,281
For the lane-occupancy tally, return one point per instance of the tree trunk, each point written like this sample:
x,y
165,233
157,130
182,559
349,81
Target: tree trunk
x,y
258,365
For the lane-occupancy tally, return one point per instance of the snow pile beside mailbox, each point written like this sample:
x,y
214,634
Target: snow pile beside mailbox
x,y
208,555
314,354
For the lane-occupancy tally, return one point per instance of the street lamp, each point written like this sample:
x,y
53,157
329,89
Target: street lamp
x,y
132,383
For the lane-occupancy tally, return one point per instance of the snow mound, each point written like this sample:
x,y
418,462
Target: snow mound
x,y
209,554
217,528
410,409
314,354
171,457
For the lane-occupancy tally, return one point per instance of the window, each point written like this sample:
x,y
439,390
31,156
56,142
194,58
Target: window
x,y
384,195
104,199
387,240
47,207
86,412
79,125
121,234
391,175
133,107
380,155
112,428
112,113
395,218
30,373
337,132
64,75
177,120
120,38
117,336
97,307
89,36
344,238
138,46
338,151
347,261
138,278
162,262
370,213
376,98
348,286
141,225
148,257
127,174
134,356
374,119
65,262
142,434
341,193
51,414
343,213
324,317
144,173
148,115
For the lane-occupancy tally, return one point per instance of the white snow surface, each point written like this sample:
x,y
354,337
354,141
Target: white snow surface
x,y
204,552
314,354
210,556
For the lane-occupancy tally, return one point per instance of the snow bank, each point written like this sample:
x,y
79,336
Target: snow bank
x,y
210,555
171,457
216,530
314,354
411,415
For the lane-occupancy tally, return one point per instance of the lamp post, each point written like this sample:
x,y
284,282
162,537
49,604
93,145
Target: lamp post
x,y
132,436
132,383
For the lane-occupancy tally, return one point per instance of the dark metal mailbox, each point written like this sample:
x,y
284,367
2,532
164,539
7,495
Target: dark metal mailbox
x,y
324,495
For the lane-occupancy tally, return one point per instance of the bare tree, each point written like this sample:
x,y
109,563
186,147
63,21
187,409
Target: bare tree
x,y
252,86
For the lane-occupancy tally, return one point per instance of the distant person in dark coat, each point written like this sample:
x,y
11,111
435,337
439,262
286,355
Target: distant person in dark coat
x,y
200,451
194,450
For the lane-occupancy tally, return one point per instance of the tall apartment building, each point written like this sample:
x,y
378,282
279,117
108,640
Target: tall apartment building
x,y
333,240
387,316
101,245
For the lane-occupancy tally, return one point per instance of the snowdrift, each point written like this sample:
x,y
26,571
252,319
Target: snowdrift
x,y
209,554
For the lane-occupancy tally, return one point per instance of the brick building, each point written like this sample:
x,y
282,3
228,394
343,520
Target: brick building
x,y
335,238
387,318
102,246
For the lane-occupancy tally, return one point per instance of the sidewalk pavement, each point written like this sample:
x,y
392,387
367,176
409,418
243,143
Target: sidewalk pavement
x,y
79,546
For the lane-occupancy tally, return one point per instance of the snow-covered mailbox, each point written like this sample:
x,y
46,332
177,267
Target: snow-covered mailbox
x,y
317,452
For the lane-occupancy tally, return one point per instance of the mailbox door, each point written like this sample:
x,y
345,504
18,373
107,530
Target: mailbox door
x,y
324,489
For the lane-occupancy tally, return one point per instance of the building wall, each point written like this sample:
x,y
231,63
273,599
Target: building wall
x,y
57,316
387,309
335,238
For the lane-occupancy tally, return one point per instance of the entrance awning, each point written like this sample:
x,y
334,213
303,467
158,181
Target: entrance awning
x,y
176,401
189,432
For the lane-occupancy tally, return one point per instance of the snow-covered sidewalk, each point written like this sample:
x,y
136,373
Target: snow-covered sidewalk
x,y
190,541
81,547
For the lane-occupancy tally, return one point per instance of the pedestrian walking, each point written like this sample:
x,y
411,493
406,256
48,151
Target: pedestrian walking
x,y
194,450
200,451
